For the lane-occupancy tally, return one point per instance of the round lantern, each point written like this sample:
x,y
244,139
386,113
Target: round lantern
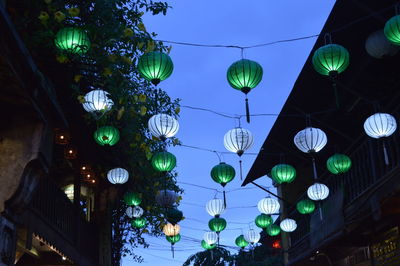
x,y
173,239
155,66
138,222
310,140
129,212
97,101
283,173
217,224
273,230
166,198
210,237
288,225
173,215
171,230
118,176
318,191
392,30
238,140
106,135
72,40
338,163
268,206
380,125
244,75
252,236
223,173
132,198
163,126
215,207
378,46
163,161
331,59
207,246
263,220
305,206
137,211
241,242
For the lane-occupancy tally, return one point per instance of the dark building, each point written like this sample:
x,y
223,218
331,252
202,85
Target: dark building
x,y
360,224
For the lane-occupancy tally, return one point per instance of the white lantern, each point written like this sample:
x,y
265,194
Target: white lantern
x,y
238,140
163,126
171,230
118,176
137,211
97,101
252,236
129,212
380,125
166,198
318,191
215,207
268,206
210,237
288,225
310,139
378,46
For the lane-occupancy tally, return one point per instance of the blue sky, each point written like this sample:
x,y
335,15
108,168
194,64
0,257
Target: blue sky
x,y
199,79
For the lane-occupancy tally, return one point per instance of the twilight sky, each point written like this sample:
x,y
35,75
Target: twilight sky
x,y
199,79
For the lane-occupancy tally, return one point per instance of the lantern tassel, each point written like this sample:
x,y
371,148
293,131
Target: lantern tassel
x,y
314,168
172,250
252,251
241,171
218,239
212,255
247,111
335,90
385,154
320,211
224,198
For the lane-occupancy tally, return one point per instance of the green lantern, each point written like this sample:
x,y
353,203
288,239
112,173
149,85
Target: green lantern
x,y
241,242
223,173
173,239
283,173
155,66
305,206
206,246
331,59
244,75
72,40
132,198
338,163
392,30
139,222
163,161
173,215
273,230
263,220
107,135
217,224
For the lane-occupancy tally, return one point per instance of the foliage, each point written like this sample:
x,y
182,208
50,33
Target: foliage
x,y
214,257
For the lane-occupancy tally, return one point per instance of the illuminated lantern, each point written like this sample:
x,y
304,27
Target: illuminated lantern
x,y
241,242
338,164
305,206
207,246
217,224
238,140
70,152
252,236
310,140
132,198
263,221
276,244
166,198
118,176
171,230
215,207
288,225
318,191
163,126
72,40
273,230
61,137
210,237
392,30
378,46
268,206
223,173
331,59
173,215
106,135
283,173
163,161
139,222
155,66
97,102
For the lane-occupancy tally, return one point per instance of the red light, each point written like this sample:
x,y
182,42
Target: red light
x,y
276,244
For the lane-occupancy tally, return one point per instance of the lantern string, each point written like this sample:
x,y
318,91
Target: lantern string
x,y
385,153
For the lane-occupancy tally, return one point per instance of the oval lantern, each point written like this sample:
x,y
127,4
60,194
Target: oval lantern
x,y
163,126
238,140
283,173
380,125
305,206
338,163
72,40
106,135
223,173
210,237
268,206
173,239
166,198
310,140
331,59
135,212
215,207
288,225
241,242
118,176
97,101
378,46
263,221
252,236
318,191
273,230
244,75
217,224
392,30
132,198
207,246
155,66
129,212
139,222
171,230
173,215
163,161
